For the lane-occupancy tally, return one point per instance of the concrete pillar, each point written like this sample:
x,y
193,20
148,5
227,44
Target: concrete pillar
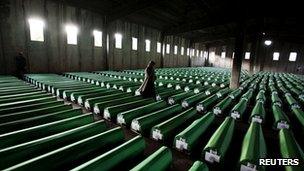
x,y
256,45
238,56
162,41
105,42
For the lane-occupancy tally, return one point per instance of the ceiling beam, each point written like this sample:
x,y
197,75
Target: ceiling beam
x,y
130,8
204,23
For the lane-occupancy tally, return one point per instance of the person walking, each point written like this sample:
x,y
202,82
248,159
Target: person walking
x,y
147,88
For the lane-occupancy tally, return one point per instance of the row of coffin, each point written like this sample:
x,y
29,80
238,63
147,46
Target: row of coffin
x,y
40,132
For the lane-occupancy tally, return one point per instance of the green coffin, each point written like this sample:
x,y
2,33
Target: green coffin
x,y
275,99
112,111
299,115
253,148
235,94
22,152
199,166
37,120
99,107
281,121
219,143
238,110
32,113
27,102
192,100
90,101
258,113
289,148
112,158
32,133
67,156
163,130
126,117
205,104
159,160
144,123
179,97
220,108
28,107
189,137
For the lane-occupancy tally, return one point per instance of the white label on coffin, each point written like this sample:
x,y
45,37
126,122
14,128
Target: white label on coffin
x,y
196,91
257,119
235,115
158,98
169,85
181,144
128,90
249,167
198,82
213,84
282,125
121,88
207,93
64,95
206,83
218,95
106,114
92,82
72,97
171,101
187,89
96,110
115,86
217,110
120,119
57,92
79,101
157,135
231,96
137,92
87,105
185,104
135,125
88,80
200,108
212,156
177,87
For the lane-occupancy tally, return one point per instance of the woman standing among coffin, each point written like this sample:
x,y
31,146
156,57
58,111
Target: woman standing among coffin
x,y
147,89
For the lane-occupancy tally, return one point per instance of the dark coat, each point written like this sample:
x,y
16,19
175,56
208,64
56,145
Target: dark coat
x,y
147,88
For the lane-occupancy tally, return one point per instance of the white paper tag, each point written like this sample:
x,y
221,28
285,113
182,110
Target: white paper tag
x,y
257,119
235,115
171,101
212,156
96,110
282,125
120,119
185,104
249,167
181,144
217,111
135,125
106,114
200,108
157,135
79,101
87,105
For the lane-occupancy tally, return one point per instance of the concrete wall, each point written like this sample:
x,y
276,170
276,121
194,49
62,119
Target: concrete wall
x,y
54,55
265,59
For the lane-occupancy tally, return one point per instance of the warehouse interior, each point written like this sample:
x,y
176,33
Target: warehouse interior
x,y
228,89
